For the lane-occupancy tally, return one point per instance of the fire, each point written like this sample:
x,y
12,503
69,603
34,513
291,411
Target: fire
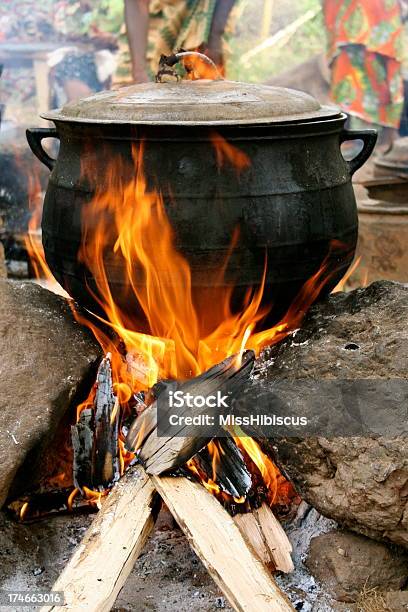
x,y
32,239
74,493
226,152
126,222
185,338
267,468
342,284
23,511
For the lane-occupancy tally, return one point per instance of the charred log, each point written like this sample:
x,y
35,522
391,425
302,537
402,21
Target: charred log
x,y
82,436
105,458
229,471
95,436
174,446
48,504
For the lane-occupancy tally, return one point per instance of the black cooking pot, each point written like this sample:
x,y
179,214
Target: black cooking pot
x,y
289,204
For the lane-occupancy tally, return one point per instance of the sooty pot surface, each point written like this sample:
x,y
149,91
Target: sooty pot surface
x,y
271,179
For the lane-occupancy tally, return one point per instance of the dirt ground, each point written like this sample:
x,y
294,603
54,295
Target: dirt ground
x,y
167,576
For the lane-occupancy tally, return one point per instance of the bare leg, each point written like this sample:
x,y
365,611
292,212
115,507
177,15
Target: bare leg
x,y
74,89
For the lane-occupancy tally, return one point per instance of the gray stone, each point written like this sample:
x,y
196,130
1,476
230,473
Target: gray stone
x,y
347,565
361,338
3,268
45,359
397,601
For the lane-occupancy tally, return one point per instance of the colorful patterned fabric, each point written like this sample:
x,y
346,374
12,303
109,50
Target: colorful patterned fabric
x,y
26,20
62,22
176,24
366,49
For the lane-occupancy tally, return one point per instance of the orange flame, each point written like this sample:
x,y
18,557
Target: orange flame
x,y
342,284
226,152
126,224
185,339
264,464
32,239
23,511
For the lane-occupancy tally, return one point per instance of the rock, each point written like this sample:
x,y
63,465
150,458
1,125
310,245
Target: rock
x,y
3,268
355,345
46,359
396,601
347,564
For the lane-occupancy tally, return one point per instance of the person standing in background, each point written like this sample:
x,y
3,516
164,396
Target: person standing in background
x,y
366,47
90,31
157,27
82,37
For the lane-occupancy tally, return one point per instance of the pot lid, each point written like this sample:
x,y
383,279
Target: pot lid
x,y
200,102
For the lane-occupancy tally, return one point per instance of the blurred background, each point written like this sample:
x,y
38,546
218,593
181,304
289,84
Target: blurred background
x,y
349,53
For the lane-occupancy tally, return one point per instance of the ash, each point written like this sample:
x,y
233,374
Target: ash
x,y
300,586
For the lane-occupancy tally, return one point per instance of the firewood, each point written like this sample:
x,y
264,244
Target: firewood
x,y
219,544
106,408
249,527
275,538
162,453
266,535
95,436
82,437
231,472
104,559
41,505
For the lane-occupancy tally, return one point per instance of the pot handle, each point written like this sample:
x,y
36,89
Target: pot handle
x,y
35,136
369,138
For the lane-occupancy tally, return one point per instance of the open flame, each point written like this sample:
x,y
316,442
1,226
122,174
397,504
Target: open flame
x,y
32,239
127,222
185,338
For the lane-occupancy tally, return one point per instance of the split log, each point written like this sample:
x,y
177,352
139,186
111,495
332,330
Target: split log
x,y
266,535
219,544
82,437
276,539
250,529
104,559
227,467
176,445
95,436
106,461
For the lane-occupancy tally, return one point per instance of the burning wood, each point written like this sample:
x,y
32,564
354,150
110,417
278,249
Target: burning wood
x,y
82,437
209,528
228,547
95,436
162,453
49,503
106,462
234,477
